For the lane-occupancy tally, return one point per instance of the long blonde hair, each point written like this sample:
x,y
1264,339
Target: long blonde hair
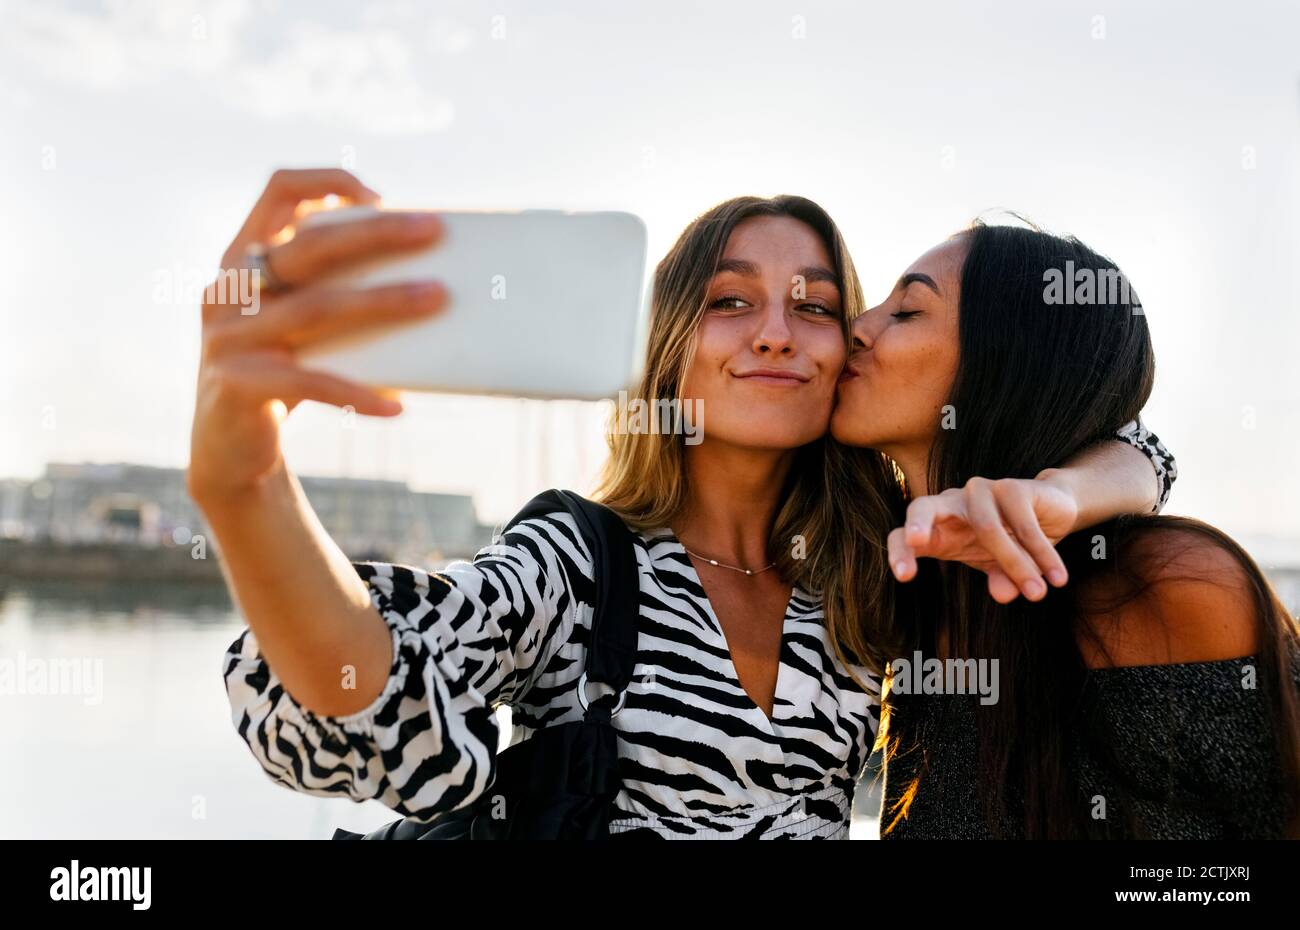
x,y
834,493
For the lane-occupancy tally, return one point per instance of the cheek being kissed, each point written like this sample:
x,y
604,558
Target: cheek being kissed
x,y
770,343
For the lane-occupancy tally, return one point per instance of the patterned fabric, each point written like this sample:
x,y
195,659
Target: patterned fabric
x,y
698,757
1149,444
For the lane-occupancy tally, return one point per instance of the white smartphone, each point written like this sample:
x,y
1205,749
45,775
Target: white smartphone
x,y
542,303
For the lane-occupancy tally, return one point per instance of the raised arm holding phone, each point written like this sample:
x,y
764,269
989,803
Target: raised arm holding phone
x,y
293,584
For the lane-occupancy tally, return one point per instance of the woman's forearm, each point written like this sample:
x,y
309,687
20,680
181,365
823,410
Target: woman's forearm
x,y
1107,480
310,613
309,610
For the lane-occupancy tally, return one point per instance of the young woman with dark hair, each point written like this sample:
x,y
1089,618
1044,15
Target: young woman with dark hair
x,y
1155,695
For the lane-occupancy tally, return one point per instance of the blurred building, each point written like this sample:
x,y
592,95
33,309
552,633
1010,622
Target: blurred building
x,y
141,506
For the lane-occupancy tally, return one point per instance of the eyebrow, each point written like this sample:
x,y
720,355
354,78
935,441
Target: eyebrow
x,y
747,269
917,277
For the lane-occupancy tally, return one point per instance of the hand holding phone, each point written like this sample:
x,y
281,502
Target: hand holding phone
x,y
249,378
540,303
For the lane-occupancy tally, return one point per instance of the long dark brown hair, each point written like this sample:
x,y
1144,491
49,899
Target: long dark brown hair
x,y
1036,383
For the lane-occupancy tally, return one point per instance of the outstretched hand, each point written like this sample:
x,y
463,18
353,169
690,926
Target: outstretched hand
x,y
1006,528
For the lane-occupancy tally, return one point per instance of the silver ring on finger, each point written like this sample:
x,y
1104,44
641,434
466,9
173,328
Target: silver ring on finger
x,y
257,260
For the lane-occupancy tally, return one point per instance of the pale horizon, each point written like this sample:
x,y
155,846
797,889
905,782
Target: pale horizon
x,y
141,134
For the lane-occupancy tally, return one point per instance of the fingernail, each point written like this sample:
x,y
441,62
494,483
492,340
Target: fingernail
x,y
1034,587
423,222
424,289
1057,576
900,568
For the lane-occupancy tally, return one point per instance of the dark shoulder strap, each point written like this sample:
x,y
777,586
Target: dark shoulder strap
x,y
611,655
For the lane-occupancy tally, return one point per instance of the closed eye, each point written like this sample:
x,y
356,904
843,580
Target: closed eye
x,y
904,314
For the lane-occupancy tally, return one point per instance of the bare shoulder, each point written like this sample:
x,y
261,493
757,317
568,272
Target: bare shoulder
x,y
1178,593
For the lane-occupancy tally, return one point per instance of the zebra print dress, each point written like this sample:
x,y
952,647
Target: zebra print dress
x,y
698,758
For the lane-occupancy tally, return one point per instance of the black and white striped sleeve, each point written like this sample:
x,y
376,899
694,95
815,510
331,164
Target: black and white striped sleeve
x,y
1162,460
465,640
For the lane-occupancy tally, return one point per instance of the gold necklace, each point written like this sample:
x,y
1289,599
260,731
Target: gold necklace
x,y
734,568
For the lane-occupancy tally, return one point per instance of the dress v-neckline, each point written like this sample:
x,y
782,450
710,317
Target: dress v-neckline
x,y
665,534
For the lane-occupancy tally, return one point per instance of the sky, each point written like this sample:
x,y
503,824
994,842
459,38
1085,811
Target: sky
x,y
134,136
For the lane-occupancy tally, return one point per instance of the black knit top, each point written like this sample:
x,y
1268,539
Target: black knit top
x,y
1182,751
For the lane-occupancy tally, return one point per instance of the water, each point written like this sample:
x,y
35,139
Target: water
x,y
151,752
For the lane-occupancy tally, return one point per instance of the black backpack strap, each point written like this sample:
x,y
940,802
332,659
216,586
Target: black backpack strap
x,y
611,655
611,658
